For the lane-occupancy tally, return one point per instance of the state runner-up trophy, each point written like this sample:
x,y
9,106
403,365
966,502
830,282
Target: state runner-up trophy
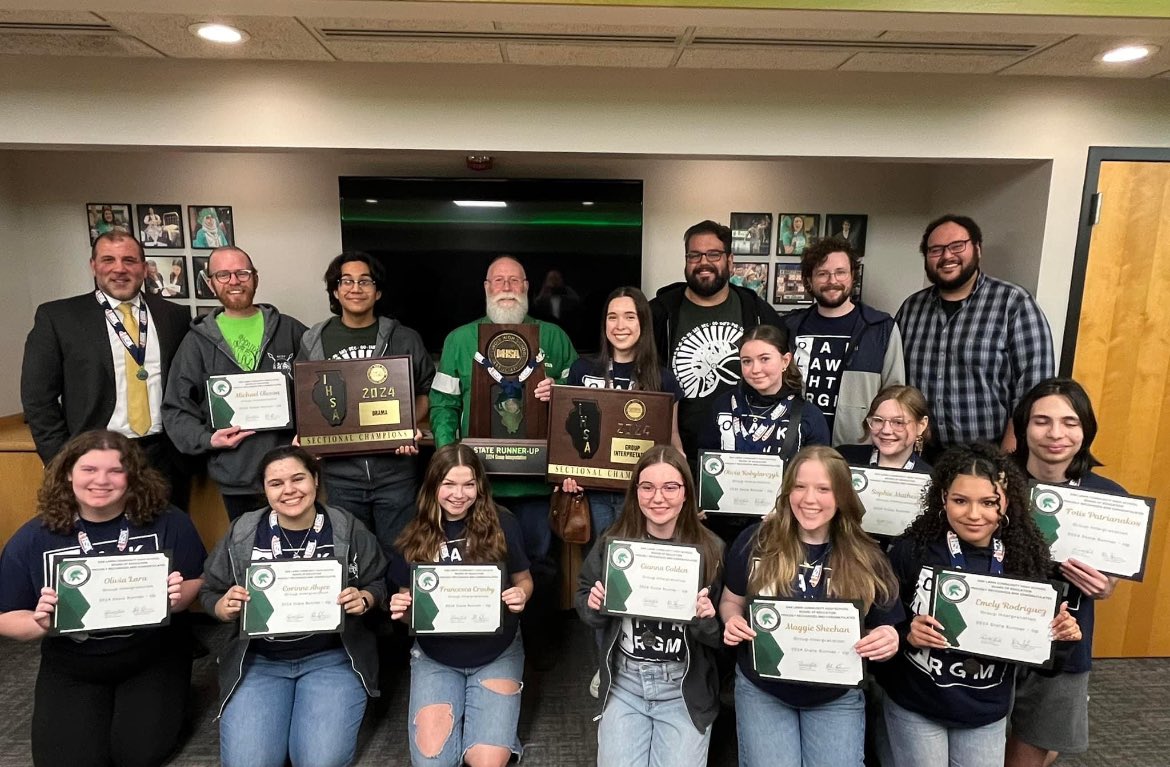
x,y
597,435
354,406
508,426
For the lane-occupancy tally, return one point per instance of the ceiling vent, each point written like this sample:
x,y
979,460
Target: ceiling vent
x,y
887,46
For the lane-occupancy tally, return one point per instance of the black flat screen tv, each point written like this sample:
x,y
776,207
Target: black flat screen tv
x,y
577,240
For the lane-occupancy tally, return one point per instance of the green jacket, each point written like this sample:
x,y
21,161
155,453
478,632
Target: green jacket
x,y
451,389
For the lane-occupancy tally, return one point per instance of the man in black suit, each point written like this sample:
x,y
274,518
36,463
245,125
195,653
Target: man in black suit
x,y
85,355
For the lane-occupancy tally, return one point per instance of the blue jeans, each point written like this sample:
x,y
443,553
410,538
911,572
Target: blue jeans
x,y
479,715
605,506
921,742
385,510
309,709
774,734
645,721
532,513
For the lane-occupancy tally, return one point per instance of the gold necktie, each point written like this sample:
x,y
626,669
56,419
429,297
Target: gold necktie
x,y
137,395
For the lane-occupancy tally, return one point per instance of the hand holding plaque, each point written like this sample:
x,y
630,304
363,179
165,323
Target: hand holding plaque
x,y
355,406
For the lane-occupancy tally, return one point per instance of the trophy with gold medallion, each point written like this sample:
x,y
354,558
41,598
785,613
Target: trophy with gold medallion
x,y
355,406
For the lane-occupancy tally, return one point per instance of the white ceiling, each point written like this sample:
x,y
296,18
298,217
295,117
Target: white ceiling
x,y
592,36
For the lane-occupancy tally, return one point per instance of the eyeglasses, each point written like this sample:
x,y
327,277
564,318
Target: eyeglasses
x,y
363,283
225,275
511,282
670,490
956,247
876,422
713,256
840,275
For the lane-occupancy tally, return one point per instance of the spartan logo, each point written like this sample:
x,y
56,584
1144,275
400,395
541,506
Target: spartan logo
x,y
767,618
1047,502
221,387
703,358
75,575
427,580
860,481
281,363
329,396
583,423
954,589
621,557
261,578
713,465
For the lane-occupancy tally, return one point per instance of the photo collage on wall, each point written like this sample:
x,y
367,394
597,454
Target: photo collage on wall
x,y
173,270
780,281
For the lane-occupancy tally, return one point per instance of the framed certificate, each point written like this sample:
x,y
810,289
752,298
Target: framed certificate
x,y
652,580
107,593
996,616
354,406
739,483
252,401
293,596
892,498
1106,531
456,599
807,640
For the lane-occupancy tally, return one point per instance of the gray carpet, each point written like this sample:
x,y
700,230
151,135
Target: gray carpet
x,y
1129,715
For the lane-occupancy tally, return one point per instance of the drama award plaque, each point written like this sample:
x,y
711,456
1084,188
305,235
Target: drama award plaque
x,y
508,426
354,406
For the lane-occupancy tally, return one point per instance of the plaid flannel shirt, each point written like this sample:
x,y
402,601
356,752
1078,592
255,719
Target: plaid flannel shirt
x,y
975,367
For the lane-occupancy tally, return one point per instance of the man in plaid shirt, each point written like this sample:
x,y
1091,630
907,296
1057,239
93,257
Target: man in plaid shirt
x,y
973,344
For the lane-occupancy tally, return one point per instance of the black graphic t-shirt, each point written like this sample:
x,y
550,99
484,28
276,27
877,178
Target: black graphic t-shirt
x,y
341,342
588,372
704,358
822,346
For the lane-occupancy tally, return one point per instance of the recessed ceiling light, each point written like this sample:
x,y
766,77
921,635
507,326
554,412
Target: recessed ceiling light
x,y
219,33
481,203
1126,53
372,202
587,202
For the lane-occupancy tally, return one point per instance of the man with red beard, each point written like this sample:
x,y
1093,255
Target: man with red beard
x,y
242,337
698,324
973,344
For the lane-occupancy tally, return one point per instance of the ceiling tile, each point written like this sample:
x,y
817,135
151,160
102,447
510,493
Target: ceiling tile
x,y
760,58
424,52
943,63
591,55
1076,57
72,44
270,37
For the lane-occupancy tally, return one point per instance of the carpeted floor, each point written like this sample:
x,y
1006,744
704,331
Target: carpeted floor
x,y
1129,715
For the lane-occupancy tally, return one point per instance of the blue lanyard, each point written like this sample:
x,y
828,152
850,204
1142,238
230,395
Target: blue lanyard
x,y
959,560
87,546
137,350
816,585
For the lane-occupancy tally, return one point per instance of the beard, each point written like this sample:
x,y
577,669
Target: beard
x,y
965,274
707,289
512,314
832,303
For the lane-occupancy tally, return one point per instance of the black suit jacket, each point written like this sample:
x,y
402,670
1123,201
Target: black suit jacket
x,y
67,380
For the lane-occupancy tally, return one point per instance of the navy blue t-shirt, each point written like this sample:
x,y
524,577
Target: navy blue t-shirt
x,y
587,371
821,347
464,651
30,560
738,570
292,546
747,432
866,455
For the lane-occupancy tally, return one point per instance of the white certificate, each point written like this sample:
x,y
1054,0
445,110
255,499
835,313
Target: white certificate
x,y
1106,531
293,596
652,580
739,483
892,498
996,616
456,599
252,401
806,640
118,591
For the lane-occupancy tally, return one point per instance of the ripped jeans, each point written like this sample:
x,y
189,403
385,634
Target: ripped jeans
x,y
479,715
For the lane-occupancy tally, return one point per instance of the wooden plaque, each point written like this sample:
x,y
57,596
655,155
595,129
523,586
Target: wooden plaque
x,y
507,409
355,406
597,435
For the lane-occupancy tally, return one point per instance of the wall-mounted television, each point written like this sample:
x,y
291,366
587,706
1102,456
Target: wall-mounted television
x,y
577,239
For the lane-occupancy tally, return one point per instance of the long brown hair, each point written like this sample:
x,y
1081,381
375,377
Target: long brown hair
x,y
688,529
423,536
146,490
859,568
777,338
647,374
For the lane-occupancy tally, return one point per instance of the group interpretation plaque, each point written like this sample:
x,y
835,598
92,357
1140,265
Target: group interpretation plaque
x,y
355,406
508,425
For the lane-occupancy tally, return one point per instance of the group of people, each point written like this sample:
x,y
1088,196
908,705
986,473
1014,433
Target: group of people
x,y
114,389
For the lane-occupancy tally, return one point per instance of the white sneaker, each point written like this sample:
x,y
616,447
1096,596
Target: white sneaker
x,y
595,683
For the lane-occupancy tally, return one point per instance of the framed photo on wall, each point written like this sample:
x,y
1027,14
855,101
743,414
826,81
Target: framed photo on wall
x,y
212,226
105,217
789,286
752,275
202,310
160,225
166,276
751,234
797,232
848,226
200,278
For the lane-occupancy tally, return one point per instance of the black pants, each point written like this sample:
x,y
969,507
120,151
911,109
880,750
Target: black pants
x,y
175,466
124,709
238,505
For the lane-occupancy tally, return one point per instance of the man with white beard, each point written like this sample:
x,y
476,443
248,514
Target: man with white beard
x,y
506,290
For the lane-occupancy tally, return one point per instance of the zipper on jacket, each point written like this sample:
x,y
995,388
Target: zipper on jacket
x,y
244,654
608,665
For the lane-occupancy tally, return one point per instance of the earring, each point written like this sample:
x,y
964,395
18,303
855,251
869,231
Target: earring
x,y
1005,520
918,443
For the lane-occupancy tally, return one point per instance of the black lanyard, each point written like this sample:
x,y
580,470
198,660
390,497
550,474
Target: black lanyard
x,y
137,350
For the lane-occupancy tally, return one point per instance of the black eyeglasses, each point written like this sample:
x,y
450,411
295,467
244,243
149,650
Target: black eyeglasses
x,y
225,275
955,248
363,283
713,256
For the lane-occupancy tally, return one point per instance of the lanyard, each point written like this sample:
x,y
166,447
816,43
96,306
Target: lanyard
x,y
873,460
137,350
310,538
609,384
752,432
83,537
959,560
816,585
512,388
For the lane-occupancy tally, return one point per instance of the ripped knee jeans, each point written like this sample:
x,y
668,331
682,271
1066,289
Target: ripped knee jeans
x,y
454,709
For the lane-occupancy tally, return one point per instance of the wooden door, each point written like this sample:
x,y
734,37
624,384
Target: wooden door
x,y
1122,357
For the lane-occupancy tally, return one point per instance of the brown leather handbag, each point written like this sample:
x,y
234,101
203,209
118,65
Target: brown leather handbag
x,y
568,516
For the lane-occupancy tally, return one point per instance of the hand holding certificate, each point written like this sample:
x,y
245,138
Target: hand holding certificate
x,y
1108,532
806,640
292,596
251,401
456,599
652,580
739,483
105,593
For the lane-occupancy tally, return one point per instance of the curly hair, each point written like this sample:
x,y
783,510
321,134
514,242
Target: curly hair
x,y
1026,554
147,492
423,536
